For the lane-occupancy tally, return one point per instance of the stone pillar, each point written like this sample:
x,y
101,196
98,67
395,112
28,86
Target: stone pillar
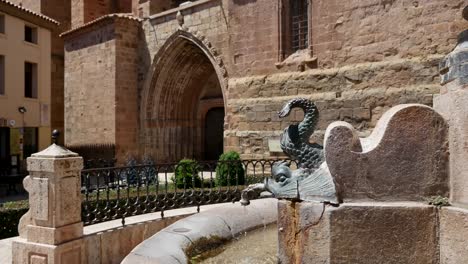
x,y
452,103
51,231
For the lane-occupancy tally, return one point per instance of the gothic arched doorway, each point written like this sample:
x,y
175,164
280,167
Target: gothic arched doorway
x,y
184,87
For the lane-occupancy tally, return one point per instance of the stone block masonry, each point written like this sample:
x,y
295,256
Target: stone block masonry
x,y
101,88
370,56
363,58
89,92
358,94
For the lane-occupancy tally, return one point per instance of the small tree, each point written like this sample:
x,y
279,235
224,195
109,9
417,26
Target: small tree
x,y
187,174
229,170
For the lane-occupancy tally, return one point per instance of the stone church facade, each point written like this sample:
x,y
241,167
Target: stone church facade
x,y
170,80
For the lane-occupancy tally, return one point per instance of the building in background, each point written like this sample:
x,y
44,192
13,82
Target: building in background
x,y
60,11
172,79
25,84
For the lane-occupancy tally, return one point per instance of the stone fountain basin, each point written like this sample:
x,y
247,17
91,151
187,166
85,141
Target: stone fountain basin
x,y
221,223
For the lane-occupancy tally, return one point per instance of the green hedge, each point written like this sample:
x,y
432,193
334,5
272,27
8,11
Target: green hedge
x,y
186,174
229,170
9,220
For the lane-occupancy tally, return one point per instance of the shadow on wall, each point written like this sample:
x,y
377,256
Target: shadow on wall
x,y
243,2
104,34
95,155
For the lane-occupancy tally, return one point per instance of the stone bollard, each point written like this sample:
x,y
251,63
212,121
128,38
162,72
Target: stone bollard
x,y
51,231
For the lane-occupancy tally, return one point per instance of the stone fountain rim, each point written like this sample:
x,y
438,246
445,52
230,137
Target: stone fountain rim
x,y
225,222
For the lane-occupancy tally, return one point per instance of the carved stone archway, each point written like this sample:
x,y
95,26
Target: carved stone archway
x,y
186,73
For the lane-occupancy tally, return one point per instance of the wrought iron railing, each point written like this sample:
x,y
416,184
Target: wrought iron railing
x,y
119,192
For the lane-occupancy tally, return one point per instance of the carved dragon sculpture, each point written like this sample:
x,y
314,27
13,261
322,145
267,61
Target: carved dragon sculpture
x,y
312,180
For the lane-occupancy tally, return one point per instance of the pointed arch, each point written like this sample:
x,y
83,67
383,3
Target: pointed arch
x,y
184,71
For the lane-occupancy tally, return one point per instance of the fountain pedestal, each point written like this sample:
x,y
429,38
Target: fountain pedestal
x,y
452,103
395,232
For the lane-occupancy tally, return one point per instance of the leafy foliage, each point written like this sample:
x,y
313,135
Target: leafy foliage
x,y
187,174
229,170
439,201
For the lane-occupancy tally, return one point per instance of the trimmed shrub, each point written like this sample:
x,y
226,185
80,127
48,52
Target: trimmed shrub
x,y
187,174
230,170
9,220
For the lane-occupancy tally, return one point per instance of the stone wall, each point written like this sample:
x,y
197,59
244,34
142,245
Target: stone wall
x,y
84,11
126,94
151,7
89,90
352,32
364,58
253,37
358,94
207,18
101,91
57,93
369,56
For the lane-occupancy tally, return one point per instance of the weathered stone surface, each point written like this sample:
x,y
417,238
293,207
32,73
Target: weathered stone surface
x,y
130,238
453,235
164,246
452,103
453,106
51,230
383,233
52,165
303,232
313,245
405,158
54,186
287,222
55,151
54,235
92,249
26,252
101,97
401,232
